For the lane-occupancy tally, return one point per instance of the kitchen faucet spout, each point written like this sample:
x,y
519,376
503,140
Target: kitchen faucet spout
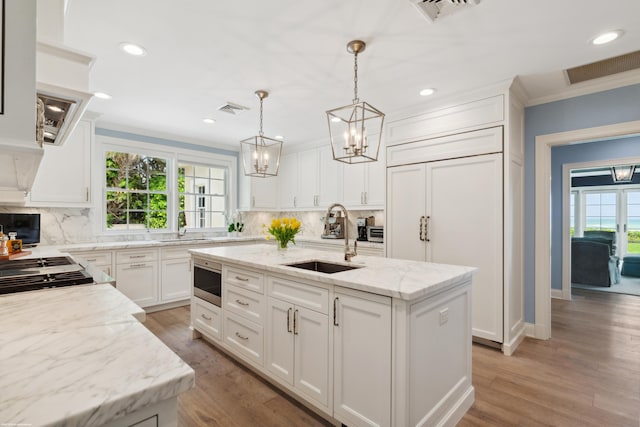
x,y
348,254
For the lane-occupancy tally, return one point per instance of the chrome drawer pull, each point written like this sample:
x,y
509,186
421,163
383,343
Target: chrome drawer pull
x,y
241,337
295,322
137,265
137,256
242,279
241,302
204,316
335,311
289,320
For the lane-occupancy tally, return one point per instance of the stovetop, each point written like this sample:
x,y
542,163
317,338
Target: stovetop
x,y
40,273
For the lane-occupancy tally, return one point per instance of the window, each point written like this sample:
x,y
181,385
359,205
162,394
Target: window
x,y
136,191
633,222
601,211
202,195
572,213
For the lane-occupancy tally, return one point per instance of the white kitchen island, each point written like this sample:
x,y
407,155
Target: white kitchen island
x,y
79,356
386,344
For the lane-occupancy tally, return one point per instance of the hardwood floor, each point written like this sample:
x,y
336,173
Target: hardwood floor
x,y
588,374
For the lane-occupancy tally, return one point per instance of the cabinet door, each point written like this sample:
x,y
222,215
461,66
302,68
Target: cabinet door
x,y
353,184
280,339
64,175
175,280
311,350
307,179
329,190
464,203
376,178
139,282
405,207
264,193
287,181
362,359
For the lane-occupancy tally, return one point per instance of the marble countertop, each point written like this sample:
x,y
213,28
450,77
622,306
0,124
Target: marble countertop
x,y
78,356
395,278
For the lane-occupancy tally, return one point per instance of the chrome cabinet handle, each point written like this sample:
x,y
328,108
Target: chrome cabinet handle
x,y
366,198
335,311
422,228
204,316
242,279
241,337
137,265
426,229
136,256
289,320
241,302
253,201
295,322
295,204
91,259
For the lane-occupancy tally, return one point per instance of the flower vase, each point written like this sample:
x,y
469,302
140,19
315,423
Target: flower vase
x,y
282,246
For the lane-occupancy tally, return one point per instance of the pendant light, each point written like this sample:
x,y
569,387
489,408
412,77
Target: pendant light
x,y
356,129
623,173
261,154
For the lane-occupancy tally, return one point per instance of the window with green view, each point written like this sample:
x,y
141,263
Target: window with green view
x,y
202,195
136,191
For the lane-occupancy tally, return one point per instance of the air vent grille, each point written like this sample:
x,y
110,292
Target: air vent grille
x,y
232,108
606,67
435,9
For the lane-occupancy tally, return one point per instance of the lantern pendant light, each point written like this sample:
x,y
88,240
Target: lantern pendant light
x,y
261,154
623,173
355,130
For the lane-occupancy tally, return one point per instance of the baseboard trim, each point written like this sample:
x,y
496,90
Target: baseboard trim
x,y
509,348
167,306
537,331
561,294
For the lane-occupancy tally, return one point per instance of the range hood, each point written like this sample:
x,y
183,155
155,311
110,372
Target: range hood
x,y
62,76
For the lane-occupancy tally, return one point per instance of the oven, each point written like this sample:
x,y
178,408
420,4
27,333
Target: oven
x,y
207,280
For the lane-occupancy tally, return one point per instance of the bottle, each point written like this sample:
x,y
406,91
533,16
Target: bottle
x,y
14,244
4,251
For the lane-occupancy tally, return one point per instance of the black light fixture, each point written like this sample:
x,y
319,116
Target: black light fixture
x,y
622,173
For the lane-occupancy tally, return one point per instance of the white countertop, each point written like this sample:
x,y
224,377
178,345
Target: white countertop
x,y
78,356
395,278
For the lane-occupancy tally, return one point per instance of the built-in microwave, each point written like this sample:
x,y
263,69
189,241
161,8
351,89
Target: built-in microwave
x,y
207,280
375,233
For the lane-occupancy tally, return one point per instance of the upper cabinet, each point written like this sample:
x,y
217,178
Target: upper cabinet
x,y
64,176
363,183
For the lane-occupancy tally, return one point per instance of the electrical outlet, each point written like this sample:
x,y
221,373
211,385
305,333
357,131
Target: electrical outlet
x,y
444,316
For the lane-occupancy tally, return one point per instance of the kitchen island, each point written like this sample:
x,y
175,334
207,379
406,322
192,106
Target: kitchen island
x,y
79,356
386,343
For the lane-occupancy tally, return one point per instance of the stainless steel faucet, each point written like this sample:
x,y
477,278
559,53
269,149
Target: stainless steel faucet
x,y
182,232
347,251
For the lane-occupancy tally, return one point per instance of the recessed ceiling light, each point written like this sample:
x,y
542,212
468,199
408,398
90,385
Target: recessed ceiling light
x,y
102,95
335,119
279,137
55,108
133,49
607,37
208,121
427,92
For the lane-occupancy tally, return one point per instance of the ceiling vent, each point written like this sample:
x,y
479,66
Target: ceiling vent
x,y
606,67
436,9
232,108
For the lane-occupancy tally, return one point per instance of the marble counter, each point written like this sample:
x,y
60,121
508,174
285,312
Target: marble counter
x,y
137,244
79,356
395,278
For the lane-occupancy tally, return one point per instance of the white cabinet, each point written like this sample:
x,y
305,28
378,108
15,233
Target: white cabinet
x,y
287,181
258,193
363,183
453,215
99,259
298,338
329,185
299,180
64,176
137,275
175,274
206,318
362,358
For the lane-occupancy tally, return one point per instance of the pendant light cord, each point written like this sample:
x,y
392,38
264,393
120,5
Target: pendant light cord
x,y
355,78
261,134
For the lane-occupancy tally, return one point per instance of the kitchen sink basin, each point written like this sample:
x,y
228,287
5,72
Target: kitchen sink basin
x,y
184,240
323,266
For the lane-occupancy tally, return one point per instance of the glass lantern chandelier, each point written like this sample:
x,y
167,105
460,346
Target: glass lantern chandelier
x,y
355,130
261,154
623,173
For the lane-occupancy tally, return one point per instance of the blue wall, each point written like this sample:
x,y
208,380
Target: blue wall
x,y
598,109
561,155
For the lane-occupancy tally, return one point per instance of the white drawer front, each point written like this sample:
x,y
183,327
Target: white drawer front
x,y
244,303
206,318
309,296
175,253
95,257
136,256
246,279
244,337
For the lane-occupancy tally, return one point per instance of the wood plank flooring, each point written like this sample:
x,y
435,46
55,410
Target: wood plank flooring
x,y
588,374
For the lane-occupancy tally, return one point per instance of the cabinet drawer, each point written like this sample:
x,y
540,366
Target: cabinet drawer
x,y
206,318
309,296
246,279
95,258
175,253
244,303
244,337
128,257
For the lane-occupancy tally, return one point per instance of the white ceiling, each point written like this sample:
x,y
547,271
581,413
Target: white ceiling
x,y
203,53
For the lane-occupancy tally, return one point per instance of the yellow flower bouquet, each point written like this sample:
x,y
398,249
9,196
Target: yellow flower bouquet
x,y
284,230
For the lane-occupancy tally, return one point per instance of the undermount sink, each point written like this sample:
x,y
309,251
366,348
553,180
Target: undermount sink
x,y
322,266
183,240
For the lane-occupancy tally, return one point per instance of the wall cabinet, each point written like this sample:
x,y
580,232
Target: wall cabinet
x,y
329,185
258,193
363,183
298,338
287,181
64,175
362,358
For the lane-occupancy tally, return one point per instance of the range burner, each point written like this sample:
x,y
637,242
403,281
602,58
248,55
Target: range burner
x,y
20,264
41,273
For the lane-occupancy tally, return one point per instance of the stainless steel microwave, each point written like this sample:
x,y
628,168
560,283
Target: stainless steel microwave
x,y
375,233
